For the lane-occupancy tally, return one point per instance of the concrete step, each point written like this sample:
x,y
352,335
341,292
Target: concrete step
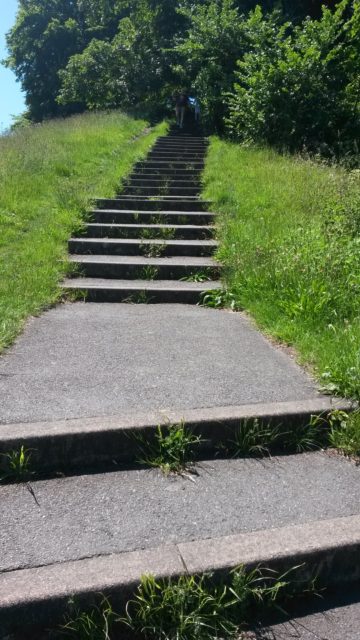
x,y
165,216
172,158
139,267
161,190
141,247
176,174
161,181
86,535
140,291
179,165
333,616
174,140
176,148
182,137
167,231
155,203
176,153
68,445
185,140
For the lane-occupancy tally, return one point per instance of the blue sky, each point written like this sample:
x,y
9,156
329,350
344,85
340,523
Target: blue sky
x,y
11,98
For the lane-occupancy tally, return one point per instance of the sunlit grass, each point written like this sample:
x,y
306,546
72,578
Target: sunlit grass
x,y
48,174
289,230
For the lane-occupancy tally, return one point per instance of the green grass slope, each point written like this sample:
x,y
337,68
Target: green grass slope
x,y
48,175
289,233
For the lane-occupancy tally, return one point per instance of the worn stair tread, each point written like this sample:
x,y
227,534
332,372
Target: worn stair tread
x,y
135,178
193,261
148,242
163,212
194,188
282,492
334,616
166,162
149,227
141,285
160,198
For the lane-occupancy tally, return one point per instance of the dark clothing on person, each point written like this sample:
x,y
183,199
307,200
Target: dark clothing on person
x,y
182,100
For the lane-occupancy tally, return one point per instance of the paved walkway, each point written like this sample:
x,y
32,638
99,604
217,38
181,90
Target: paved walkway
x,y
84,360
95,367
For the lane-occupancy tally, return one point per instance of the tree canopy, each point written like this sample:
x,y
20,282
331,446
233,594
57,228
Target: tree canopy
x,y
283,72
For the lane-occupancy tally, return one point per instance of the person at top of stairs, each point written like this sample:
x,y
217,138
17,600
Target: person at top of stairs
x,y
181,103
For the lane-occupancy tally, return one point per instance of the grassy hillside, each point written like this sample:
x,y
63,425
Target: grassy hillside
x,y
48,175
290,241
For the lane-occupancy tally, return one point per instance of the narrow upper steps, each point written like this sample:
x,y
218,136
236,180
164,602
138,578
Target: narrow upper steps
x,y
154,241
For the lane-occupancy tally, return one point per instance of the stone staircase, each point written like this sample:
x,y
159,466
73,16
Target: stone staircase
x,y
86,386
154,241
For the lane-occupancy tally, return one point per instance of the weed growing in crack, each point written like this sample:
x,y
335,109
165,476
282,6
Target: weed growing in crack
x,y
218,299
197,608
182,609
254,438
345,432
16,465
138,297
159,234
152,250
307,437
159,219
172,451
192,607
147,273
96,624
73,295
197,276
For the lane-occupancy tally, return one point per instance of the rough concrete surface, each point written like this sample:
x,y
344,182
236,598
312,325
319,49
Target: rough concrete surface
x,y
84,516
84,360
336,618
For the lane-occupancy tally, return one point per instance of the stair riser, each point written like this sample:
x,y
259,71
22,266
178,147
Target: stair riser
x,y
171,157
174,153
152,205
136,249
152,217
162,182
159,180
132,296
136,272
167,165
179,149
72,449
183,140
177,234
166,174
161,190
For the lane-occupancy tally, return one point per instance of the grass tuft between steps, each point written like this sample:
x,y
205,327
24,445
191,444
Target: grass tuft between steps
x,y
289,232
175,448
191,607
49,174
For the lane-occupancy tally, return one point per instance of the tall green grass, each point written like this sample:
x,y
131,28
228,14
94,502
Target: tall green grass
x,y
48,174
289,232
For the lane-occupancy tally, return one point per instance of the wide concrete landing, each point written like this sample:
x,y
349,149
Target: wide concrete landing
x,y
82,360
68,519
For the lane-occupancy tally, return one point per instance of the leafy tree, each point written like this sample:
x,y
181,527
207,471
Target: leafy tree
x,y
123,72
215,40
45,34
297,86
